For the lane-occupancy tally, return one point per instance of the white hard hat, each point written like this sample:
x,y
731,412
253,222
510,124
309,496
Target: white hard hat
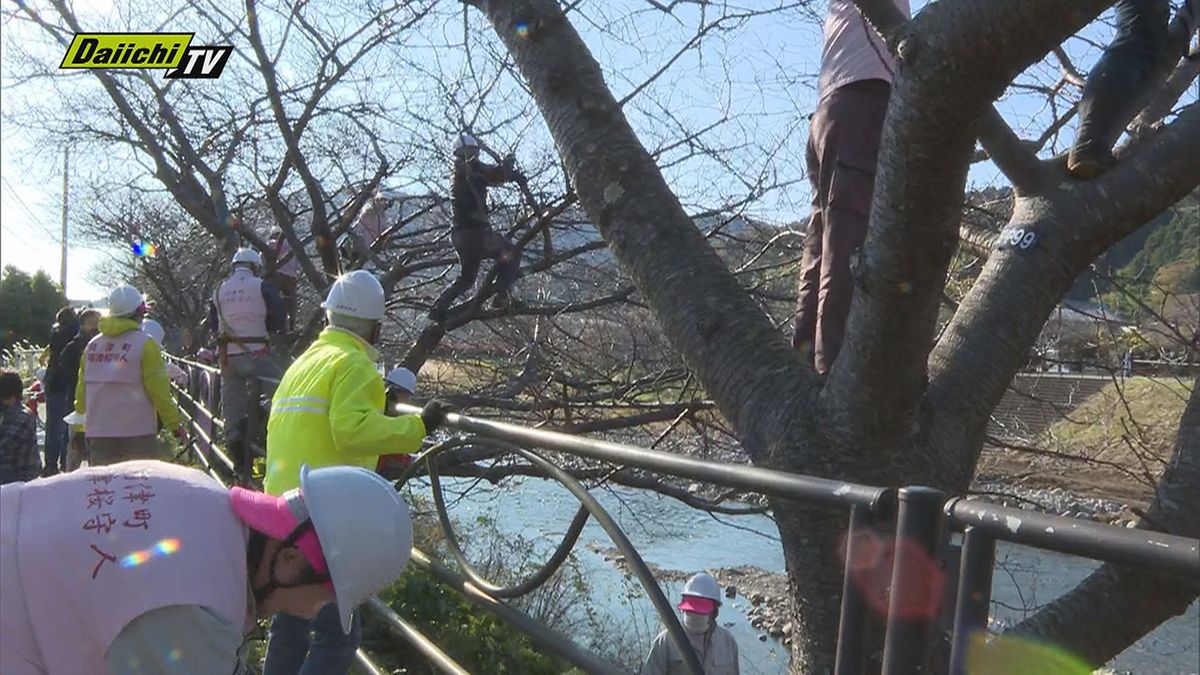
x,y
402,378
357,294
124,300
247,255
365,531
154,329
703,585
465,141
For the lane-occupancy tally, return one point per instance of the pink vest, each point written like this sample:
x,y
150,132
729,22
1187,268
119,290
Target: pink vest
x,y
371,222
242,310
98,547
117,404
291,268
853,50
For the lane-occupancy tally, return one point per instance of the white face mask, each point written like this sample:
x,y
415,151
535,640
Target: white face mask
x,y
695,623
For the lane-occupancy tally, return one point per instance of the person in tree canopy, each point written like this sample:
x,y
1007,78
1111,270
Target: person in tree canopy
x,y
471,230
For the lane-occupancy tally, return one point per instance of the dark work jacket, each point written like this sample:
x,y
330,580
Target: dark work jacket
x,y
69,361
57,378
468,191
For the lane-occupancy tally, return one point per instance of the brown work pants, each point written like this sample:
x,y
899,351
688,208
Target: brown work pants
x,y
843,149
103,451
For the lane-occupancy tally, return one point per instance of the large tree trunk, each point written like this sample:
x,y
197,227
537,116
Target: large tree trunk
x,y
746,366
1129,602
867,428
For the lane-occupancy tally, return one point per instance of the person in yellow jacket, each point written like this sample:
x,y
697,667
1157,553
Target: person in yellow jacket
x,y
328,410
123,391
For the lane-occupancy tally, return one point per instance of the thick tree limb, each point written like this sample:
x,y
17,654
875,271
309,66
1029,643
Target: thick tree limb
x,y
1166,98
877,381
1012,155
1121,604
724,337
985,343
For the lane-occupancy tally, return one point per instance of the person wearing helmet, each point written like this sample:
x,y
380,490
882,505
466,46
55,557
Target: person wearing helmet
x,y
715,647
471,230
328,410
400,385
172,574
155,330
242,311
286,274
123,387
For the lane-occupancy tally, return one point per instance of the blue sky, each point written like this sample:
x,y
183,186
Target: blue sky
x,y
763,74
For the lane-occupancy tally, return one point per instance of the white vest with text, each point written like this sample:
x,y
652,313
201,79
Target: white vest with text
x,y
242,311
117,403
87,552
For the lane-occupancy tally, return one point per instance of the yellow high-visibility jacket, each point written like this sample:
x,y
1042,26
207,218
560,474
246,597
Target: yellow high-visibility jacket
x,y
328,410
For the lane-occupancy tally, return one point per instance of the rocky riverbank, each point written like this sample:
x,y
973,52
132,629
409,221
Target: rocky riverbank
x,y
762,595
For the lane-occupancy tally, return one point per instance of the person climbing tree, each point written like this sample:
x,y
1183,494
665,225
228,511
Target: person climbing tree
x,y
471,230
843,150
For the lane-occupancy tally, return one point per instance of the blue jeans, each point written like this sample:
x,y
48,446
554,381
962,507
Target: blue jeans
x,y
58,406
329,652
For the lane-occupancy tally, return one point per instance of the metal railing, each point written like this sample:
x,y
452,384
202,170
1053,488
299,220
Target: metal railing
x,y
21,358
198,399
920,518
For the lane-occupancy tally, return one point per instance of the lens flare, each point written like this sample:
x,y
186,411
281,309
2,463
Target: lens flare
x,y
1008,655
144,249
160,549
175,655
869,560
523,30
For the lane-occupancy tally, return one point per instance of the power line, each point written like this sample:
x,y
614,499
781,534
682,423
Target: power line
x,y
25,207
11,232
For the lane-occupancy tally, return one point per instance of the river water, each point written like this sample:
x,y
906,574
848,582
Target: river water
x,y
674,536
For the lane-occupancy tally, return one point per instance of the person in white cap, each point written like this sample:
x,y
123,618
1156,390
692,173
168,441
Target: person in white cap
x,y
123,387
151,567
242,312
328,410
714,646
155,330
400,385
471,229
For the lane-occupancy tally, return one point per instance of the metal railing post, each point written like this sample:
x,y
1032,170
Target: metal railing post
x,y
974,594
855,614
912,609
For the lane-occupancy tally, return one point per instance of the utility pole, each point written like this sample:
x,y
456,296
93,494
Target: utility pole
x,y
62,277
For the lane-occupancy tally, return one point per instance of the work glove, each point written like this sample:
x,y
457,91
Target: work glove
x,y
392,466
434,415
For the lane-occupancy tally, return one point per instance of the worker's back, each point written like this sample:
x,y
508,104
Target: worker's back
x,y
241,310
328,410
117,402
86,552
